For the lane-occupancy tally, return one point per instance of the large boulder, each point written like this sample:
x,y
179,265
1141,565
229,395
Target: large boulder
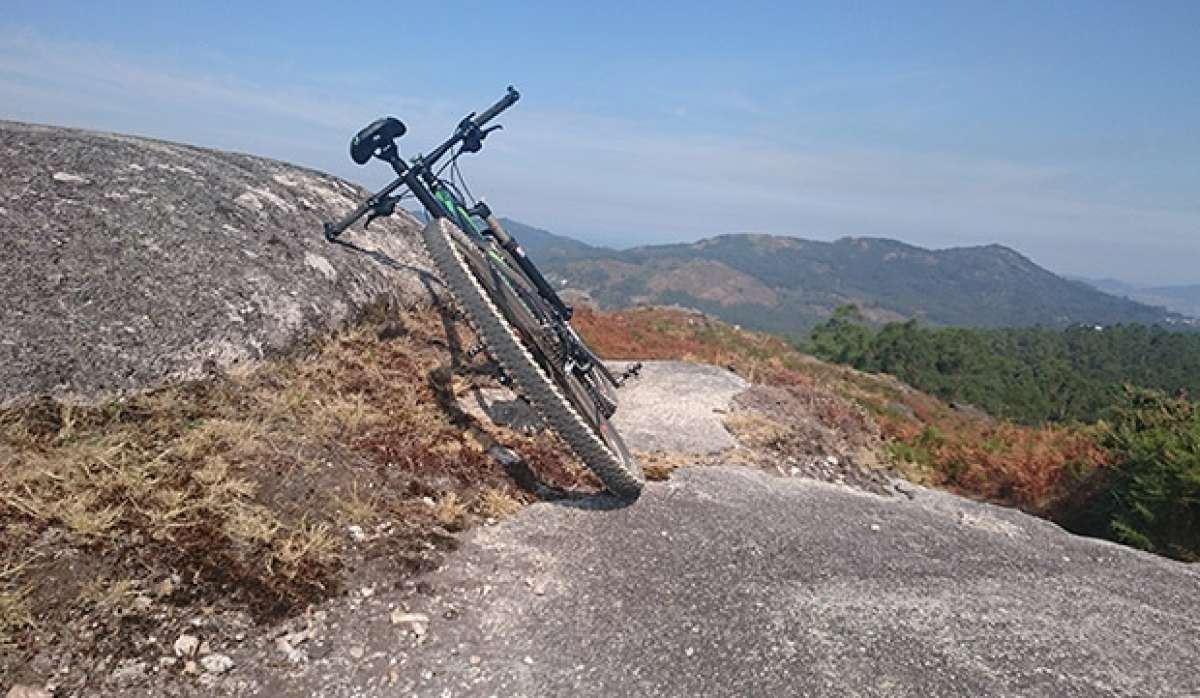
x,y
130,262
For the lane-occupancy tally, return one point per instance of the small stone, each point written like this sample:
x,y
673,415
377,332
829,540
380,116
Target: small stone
x,y
474,660
358,651
874,527
128,671
356,533
248,201
69,178
187,645
293,654
528,659
400,617
539,587
689,651
167,661
217,663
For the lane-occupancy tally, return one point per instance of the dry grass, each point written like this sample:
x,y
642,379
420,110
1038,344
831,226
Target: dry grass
x,y
15,615
359,506
110,596
758,431
1033,468
449,510
245,483
498,504
657,467
1036,469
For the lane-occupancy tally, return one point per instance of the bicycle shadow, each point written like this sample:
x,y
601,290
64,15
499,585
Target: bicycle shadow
x,y
386,260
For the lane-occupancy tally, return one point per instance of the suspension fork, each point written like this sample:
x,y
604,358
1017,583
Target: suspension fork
x,y
510,244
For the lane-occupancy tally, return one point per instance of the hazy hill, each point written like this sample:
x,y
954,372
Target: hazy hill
x,y
788,284
1181,299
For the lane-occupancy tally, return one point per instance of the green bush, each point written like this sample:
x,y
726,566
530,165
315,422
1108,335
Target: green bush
x,y
1030,375
1151,494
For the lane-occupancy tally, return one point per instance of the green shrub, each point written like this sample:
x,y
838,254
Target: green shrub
x,y
1151,494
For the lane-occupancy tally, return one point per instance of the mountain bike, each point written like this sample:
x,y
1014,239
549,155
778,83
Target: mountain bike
x,y
522,322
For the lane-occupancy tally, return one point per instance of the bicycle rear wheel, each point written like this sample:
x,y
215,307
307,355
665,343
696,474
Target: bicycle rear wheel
x,y
514,338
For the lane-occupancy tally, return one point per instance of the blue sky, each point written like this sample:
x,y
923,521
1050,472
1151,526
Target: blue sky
x,y
1066,130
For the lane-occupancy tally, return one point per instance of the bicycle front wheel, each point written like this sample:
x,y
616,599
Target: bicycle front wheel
x,y
510,332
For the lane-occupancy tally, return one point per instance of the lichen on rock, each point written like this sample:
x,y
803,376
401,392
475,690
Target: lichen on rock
x,y
130,262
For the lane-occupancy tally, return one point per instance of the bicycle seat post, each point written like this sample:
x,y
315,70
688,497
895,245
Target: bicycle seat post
x,y
390,154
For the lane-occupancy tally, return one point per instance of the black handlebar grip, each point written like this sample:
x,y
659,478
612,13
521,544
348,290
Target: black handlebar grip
x,y
493,111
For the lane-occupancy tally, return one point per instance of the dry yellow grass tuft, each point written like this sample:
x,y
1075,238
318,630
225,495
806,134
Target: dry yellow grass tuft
x,y
657,467
450,510
757,430
14,609
498,504
14,615
358,506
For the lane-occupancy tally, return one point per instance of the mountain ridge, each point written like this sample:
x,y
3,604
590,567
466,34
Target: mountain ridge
x,y
788,284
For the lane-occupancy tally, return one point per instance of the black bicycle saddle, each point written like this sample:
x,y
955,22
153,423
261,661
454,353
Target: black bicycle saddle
x,y
376,135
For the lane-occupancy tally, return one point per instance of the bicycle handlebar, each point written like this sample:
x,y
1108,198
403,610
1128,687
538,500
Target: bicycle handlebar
x,y
493,111
422,164
477,122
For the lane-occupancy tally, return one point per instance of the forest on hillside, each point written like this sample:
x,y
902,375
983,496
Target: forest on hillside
x,y
1030,375
1128,390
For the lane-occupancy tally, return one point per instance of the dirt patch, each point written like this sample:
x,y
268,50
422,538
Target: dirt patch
x,y
240,500
811,433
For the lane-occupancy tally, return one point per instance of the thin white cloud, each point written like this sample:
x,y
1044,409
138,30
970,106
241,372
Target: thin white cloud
x,y
618,179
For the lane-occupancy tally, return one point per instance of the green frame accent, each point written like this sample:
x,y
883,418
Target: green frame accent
x,y
456,211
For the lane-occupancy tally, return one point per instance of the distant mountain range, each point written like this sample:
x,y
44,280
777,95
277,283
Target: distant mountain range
x,y
787,284
1181,299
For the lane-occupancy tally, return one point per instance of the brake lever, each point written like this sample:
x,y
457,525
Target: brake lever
x,y
473,140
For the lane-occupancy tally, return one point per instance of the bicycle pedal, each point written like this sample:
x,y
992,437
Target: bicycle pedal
x,y
634,371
